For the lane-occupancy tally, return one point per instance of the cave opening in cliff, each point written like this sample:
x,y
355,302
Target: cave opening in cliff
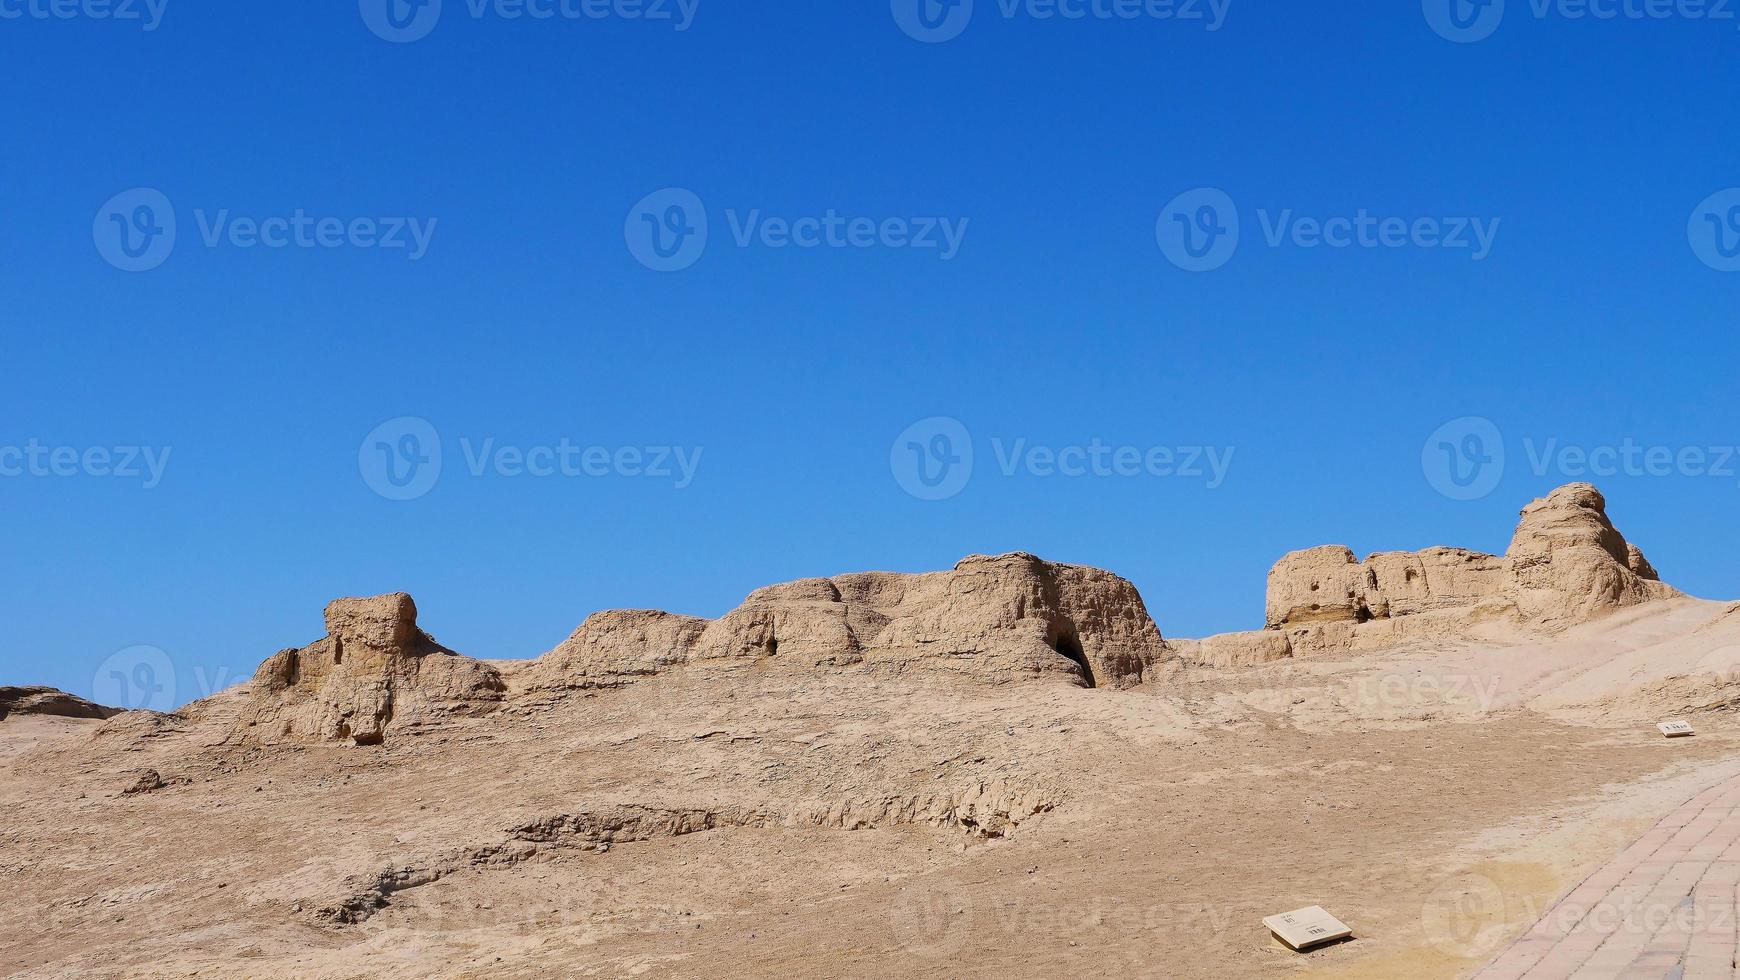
x,y
1069,645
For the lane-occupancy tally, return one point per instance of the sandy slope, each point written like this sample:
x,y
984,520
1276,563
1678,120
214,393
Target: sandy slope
x,y
1436,798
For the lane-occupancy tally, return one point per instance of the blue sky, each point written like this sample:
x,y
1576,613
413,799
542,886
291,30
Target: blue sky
x,y
1060,151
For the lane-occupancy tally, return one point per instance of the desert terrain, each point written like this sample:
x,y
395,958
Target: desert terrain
x,y
1004,769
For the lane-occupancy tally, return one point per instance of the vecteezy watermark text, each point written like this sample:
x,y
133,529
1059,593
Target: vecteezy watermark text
x,y
404,21
933,459
1631,458
136,230
302,230
833,230
936,21
402,459
566,459
33,459
1364,230
1465,459
1469,21
668,230
148,14
145,678
1097,459
1200,230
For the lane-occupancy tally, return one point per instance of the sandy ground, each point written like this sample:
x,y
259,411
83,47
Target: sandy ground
x,y
1437,799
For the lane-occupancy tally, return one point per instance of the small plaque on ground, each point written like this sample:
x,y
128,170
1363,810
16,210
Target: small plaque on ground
x,y
1675,729
1307,927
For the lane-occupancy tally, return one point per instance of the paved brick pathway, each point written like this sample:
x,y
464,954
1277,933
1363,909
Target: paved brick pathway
x,y
1664,908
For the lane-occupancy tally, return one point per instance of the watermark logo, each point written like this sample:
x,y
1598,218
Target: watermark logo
x,y
34,459
667,230
135,230
1468,21
933,21
299,229
1714,230
933,458
148,14
400,459
1464,21
1199,230
1630,458
404,21
1365,230
565,458
400,21
1395,692
1465,917
930,920
139,677
1464,458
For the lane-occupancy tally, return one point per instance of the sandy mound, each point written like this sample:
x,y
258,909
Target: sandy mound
x,y
1566,564
996,619
48,701
997,770
373,671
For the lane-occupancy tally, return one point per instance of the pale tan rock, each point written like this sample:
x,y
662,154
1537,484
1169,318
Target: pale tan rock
x,y
1566,564
49,701
1640,565
1570,564
802,624
1317,638
1318,585
1573,516
1328,584
1407,583
993,618
375,671
1236,649
616,647
1008,616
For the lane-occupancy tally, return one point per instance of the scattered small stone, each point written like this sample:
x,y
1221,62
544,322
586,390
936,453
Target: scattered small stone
x,y
147,782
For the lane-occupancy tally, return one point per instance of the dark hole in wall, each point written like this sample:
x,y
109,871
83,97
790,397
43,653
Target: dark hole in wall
x,y
1068,645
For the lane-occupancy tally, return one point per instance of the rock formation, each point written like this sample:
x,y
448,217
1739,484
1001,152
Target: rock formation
x,y
1328,584
1566,564
993,618
48,701
1234,649
1570,563
375,671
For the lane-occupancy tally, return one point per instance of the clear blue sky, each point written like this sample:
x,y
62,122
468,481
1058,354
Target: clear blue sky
x,y
1061,321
